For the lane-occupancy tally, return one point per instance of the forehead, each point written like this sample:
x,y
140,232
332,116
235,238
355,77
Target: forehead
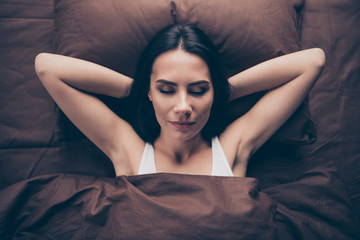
x,y
175,65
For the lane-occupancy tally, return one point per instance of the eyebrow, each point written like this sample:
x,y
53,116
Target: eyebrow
x,y
191,84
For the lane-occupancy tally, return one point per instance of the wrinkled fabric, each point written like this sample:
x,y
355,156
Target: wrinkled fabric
x,y
155,206
36,140
176,206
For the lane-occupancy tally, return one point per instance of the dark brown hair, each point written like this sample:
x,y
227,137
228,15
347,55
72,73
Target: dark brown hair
x,y
192,40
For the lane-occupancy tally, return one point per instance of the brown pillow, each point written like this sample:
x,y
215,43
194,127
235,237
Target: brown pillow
x,y
110,32
114,33
246,32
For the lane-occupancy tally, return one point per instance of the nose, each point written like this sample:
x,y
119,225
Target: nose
x,y
183,106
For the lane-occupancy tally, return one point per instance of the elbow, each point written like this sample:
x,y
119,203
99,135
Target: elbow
x,y
315,64
41,65
319,58
319,62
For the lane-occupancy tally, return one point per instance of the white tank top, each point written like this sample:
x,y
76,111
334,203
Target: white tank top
x,y
220,165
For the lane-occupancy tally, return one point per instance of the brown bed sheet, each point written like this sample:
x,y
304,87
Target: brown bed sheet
x,y
30,129
175,206
160,206
334,25
312,201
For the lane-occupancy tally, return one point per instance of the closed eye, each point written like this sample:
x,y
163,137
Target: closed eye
x,y
165,86
198,90
166,91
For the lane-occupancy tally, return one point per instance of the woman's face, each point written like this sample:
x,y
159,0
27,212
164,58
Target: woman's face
x,y
182,94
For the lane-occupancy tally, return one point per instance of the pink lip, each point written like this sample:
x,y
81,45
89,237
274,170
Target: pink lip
x,y
182,125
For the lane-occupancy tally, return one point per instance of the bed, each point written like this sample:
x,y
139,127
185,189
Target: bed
x,y
304,183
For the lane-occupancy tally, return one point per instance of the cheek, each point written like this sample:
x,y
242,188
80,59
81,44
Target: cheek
x,y
161,108
204,108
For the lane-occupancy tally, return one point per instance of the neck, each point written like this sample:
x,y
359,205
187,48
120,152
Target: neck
x,y
180,150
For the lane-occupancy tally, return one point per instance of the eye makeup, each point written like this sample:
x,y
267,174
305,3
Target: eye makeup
x,y
197,88
166,90
198,91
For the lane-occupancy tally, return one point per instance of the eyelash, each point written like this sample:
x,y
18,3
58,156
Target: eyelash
x,y
199,93
196,93
166,91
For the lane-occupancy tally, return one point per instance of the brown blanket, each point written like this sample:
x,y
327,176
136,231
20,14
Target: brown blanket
x,y
55,184
174,206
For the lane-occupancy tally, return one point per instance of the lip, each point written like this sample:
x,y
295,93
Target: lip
x,y
182,125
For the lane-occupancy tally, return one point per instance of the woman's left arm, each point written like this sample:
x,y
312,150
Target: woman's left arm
x,y
305,65
288,78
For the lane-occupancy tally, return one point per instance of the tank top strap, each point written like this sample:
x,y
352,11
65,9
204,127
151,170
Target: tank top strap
x,y
220,165
147,164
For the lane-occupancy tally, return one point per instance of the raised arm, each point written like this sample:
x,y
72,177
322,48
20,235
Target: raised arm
x,y
70,82
278,71
84,75
287,80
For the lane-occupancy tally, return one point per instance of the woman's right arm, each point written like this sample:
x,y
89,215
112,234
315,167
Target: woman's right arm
x,y
69,82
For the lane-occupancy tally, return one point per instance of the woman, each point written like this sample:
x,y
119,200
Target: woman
x,y
181,92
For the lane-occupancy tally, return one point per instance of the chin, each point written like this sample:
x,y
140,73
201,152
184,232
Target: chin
x,y
181,135
185,136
